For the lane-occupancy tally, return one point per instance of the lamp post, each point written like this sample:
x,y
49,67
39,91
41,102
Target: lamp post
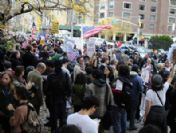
x,y
138,30
173,29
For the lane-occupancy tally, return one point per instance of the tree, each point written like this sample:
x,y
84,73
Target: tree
x,y
10,9
160,42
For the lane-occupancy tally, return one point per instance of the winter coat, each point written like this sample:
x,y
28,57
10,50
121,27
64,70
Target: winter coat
x,y
19,117
58,86
36,78
136,89
102,91
29,59
6,98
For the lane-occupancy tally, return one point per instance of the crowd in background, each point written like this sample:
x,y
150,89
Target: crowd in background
x,y
107,89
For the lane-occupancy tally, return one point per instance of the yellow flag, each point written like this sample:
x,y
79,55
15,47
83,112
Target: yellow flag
x,y
55,26
38,23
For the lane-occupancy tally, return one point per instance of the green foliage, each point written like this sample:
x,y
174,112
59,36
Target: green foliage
x,y
160,42
9,45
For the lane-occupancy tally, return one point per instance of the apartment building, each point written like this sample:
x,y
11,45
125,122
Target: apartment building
x,y
157,16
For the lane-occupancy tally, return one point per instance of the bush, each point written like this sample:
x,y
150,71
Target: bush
x,y
160,42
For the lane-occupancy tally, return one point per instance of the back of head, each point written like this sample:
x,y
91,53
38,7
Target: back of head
x,y
124,70
29,48
89,102
7,64
135,68
41,65
80,79
58,66
150,129
70,129
157,82
97,74
19,70
21,91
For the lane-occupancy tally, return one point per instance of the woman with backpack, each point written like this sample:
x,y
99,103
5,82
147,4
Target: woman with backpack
x,y
155,113
21,112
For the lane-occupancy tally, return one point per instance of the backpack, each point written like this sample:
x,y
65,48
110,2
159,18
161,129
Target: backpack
x,y
122,92
32,123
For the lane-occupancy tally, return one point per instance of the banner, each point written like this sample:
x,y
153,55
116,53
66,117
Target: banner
x,y
90,47
55,27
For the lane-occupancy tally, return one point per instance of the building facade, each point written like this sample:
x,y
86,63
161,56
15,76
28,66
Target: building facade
x,y
157,16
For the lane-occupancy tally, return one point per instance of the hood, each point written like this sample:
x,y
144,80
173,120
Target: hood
x,y
133,73
100,82
125,80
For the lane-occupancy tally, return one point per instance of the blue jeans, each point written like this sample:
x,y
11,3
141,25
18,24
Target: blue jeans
x,y
120,120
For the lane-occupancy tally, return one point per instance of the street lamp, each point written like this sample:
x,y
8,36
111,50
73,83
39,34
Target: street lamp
x,y
138,30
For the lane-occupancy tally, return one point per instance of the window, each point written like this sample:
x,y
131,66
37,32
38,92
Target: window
x,y
170,28
142,7
153,9
110,14
126,15
172,11
142,16
173,2
102,15
152,17
102,6
171,20
127,5
152,27
111,4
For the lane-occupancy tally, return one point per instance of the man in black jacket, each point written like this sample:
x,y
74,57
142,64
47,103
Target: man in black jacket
x,y
29,58
59,88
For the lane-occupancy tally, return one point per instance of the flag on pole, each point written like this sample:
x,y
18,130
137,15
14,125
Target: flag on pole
x,y
96,30
33,30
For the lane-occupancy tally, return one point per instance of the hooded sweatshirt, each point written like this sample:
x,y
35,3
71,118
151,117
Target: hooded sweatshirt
x,y
102,91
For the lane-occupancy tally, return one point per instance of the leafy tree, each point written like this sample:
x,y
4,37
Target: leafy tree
x,y
160,42
10,9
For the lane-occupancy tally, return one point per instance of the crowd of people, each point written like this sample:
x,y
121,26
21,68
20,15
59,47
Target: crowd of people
x,y
105,90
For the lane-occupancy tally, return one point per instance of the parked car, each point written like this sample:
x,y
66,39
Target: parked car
x,y
142,51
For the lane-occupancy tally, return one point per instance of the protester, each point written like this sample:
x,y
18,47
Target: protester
x,y
78,91
70,129
122,98
6,101
136,91
59,89
155,101
36,79
21,112
82,120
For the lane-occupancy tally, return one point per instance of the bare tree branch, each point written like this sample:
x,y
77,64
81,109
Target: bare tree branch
x,y
40,6
22,11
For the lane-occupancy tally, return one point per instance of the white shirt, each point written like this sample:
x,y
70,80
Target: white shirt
x,y
83,122
152,96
